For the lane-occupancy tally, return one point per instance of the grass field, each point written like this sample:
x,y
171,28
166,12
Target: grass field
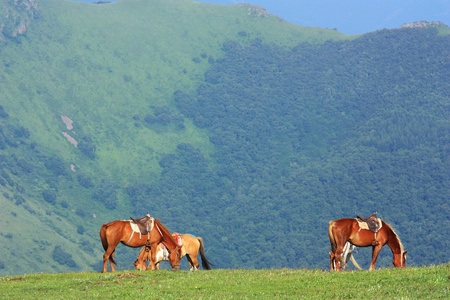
x,y
411,283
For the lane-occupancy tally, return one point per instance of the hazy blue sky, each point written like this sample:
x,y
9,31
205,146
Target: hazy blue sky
x,y
353,16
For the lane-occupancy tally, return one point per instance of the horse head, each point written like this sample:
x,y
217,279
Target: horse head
x,y
140,265
399,260
174,258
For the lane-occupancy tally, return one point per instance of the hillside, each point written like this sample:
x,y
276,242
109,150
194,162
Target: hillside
x,y
99,67
221,121
410,283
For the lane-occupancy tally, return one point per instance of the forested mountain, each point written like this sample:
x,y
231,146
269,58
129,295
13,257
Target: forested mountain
x,y
222,121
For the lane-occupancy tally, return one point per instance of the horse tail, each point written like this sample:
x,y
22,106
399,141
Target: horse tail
x,y
103,237
104,240
205,263
333,242
354,262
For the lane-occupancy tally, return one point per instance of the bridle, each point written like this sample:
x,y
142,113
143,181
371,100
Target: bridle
x,y
177,254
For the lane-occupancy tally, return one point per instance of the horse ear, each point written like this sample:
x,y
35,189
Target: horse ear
x,y
404,253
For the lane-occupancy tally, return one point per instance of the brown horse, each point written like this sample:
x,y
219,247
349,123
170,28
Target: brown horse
x,y
192,246
118,231
347,230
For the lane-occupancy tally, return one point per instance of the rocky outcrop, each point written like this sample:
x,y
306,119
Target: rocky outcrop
x,y
15,17
423,24
257,11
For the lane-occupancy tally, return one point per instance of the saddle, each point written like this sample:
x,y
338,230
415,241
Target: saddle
x,y
145,224
373,223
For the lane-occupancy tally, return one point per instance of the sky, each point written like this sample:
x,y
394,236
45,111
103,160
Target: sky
x,y
353,16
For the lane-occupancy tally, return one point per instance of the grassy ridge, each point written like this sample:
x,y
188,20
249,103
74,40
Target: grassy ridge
x,y
410,283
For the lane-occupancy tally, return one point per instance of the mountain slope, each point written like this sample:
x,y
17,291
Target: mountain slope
x,y
222,121
148,48
78,86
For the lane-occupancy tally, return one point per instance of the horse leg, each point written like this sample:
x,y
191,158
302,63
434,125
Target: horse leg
x,y
111,261
151,265
332,263
375,251
109,255
337,263
193,262
152,261
336,247
337,257
105,263
191,265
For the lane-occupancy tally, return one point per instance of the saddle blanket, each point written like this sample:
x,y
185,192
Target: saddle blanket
x,y
134,226
177,238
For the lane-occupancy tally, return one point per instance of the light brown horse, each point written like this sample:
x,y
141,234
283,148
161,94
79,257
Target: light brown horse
x,y
191,247
347,230
118,231
145,255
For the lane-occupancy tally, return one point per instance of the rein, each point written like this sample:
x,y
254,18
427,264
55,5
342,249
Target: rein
x,y
159,230
176,250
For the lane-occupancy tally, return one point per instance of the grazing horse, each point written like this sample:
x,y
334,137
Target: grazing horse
x,y
118,231
347,254
347,230
145,255
192,246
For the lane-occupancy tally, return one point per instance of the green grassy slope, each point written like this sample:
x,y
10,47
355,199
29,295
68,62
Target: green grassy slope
x,y
106,67
410,283
106,63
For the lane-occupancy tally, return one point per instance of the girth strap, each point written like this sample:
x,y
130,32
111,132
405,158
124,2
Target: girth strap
x,y
351,239
132,232
148,240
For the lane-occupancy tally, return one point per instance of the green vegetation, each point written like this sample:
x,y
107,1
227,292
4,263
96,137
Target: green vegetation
x,y
319,132
247,131
410,283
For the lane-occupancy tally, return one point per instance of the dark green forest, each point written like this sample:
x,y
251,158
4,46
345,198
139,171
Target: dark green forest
x,y
308,135
253,139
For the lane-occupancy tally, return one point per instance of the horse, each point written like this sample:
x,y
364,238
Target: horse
x,y
347,254
347,230
191,247
118,231
145,255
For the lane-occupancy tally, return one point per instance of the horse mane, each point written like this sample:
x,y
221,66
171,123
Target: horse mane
x,y
395,235
165,232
